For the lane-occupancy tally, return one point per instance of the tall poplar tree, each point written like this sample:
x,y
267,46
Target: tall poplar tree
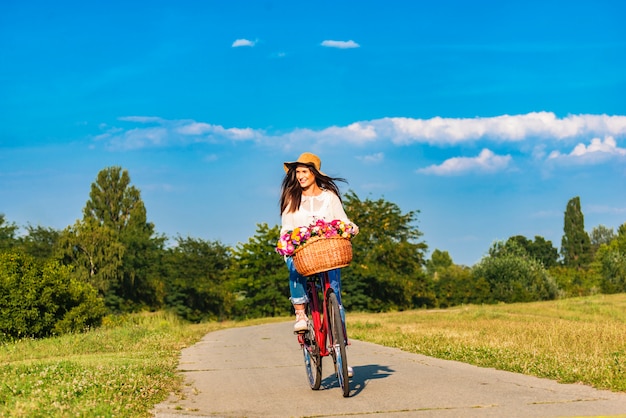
x,y
114,245
575,244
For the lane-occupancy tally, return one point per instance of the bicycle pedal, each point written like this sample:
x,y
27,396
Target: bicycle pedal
x,y
300,332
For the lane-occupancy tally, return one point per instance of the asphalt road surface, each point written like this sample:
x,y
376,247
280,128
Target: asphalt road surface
x,y
258,371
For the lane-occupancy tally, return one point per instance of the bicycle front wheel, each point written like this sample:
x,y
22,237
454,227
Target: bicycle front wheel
x,y
338,343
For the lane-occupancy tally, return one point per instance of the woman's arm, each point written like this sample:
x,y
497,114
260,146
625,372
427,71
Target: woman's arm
x,y
336,209
287,222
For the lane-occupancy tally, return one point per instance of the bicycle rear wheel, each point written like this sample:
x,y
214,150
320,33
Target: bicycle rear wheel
x,y
338,344
312,358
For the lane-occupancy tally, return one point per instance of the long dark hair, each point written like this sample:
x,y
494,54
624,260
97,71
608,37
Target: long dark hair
x,y
291,192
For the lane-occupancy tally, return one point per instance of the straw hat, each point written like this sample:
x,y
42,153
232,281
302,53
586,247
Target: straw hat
x,y
305,158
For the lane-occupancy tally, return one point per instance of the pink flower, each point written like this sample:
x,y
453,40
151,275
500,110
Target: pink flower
x,y
290,241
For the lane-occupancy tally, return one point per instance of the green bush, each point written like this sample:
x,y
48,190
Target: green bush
x,y
514,276
576,282
612,261
43,300
454,285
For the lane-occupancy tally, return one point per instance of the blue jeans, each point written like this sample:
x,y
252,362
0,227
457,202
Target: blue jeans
x,y
297,284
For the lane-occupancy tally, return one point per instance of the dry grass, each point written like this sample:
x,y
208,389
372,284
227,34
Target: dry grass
x,y
574,340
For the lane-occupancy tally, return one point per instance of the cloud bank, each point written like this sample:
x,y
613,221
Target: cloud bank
x,y
500,128
540,136
435,131
440,131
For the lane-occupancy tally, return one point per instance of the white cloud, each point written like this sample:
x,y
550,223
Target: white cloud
x,y
135,138
171,133
608,146
356,133
486,161
372,158
340,44
193,128
243,42
597,151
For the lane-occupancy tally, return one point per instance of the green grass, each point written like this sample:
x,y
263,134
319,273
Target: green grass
x,y
122,369
581,340
127,366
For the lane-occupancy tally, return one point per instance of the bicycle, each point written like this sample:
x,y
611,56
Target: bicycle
x,y
326,335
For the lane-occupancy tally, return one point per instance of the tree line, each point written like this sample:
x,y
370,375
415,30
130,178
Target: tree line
x,y
113,262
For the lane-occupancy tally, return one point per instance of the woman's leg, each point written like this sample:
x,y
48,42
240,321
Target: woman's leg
x,y
297,284
297,290
334,276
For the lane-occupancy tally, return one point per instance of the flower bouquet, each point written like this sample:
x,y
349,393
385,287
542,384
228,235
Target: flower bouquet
x,y
319,247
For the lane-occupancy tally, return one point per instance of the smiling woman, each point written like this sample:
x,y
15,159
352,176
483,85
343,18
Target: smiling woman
x,y
308,195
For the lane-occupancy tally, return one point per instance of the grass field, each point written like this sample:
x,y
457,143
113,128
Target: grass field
x,y
129,365
570,341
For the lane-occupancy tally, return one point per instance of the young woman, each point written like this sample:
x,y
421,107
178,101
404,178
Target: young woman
x,y
308,195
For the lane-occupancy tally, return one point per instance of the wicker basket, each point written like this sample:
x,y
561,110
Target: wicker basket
x,y
322,254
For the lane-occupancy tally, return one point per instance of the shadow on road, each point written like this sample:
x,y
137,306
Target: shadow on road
x,y
362,375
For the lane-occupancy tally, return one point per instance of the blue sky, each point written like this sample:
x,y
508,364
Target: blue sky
x,y
485,116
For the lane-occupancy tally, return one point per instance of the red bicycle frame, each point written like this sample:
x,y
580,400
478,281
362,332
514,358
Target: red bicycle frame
x,y
319,311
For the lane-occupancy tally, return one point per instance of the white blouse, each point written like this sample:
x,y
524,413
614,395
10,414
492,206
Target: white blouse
x,y
326,206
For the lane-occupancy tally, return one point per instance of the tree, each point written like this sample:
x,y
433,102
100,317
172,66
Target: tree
x,y
115,245
612,268
386,271
259,276
600,235
196,279
114,203
542,250
611,258
7,234
40,242
575,244
454,285
96,254
439,260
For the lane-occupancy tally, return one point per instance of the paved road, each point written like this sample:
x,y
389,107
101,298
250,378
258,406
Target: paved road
x,y
258,372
